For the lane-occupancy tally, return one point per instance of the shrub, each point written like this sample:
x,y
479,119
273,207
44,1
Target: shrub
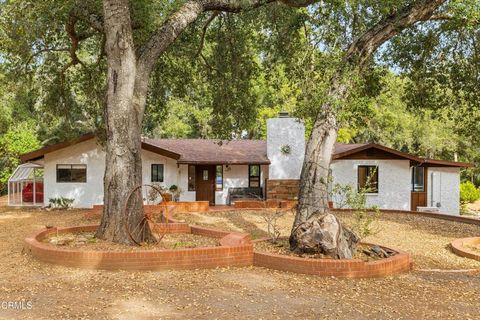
x,y
468,192
63,203
363,216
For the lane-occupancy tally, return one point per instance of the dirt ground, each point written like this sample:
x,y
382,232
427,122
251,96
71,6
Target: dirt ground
x,y
427,239
474,208
57,292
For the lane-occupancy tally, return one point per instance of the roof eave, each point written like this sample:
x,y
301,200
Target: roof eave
x,y
445,163
40,153
161,151
407,156
200,162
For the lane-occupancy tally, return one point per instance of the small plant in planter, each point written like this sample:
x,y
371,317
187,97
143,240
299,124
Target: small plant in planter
x,y
364,216
153,196
273,229
176,192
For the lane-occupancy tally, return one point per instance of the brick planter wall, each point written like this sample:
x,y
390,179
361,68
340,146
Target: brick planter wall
x,y
401,262
235,250
458,247
283,189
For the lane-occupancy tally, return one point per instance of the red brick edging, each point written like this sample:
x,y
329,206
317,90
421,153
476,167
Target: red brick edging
x,y
235,249
400,262
458,247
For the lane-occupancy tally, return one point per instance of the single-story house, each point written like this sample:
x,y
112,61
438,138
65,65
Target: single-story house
x,y
208,170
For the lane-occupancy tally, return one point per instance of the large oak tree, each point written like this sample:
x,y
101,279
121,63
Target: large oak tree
x,y
135,46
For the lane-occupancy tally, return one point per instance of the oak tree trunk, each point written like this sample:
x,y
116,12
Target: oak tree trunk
x,y
123,122
315,229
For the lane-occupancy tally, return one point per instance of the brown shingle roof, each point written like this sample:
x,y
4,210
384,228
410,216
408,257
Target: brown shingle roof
x,y
201,151
344,147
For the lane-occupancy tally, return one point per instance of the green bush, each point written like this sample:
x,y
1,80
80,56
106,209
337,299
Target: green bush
x,y
62,203
468,192
16,141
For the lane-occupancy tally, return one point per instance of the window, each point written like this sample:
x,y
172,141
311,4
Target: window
x,y
219,178
191,178
71,173
418,179
254,176
368,178
205,174
157,173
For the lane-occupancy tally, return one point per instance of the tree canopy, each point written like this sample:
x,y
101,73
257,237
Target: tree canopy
x,y
229,72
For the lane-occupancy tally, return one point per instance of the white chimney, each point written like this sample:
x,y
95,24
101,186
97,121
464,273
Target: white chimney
x,y
285,147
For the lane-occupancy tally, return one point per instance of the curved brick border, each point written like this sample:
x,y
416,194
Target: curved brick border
x,y
458,246
354,268
235,249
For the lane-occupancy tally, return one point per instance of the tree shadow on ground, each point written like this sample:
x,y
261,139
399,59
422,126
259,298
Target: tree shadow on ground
x,y
433,226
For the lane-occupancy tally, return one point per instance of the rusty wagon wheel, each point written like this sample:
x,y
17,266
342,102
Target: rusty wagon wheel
x,y
150,218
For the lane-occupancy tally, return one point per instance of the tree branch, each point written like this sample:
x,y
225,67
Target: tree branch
x,y
363,46
45,50
82,12
204,31
166,34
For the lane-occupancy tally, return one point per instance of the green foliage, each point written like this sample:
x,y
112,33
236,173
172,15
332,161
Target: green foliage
x,y
16,141
364,216
61,203
468,192
250,67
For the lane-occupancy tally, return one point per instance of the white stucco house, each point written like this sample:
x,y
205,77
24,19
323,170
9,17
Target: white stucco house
x,y
208,170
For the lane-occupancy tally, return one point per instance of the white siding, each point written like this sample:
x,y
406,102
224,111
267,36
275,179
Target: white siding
x,y
90,193
393,181
183,184
170,170
85,194
280,132
443,190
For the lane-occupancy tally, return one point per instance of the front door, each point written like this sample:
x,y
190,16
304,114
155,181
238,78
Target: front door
x,y
419,188
205,184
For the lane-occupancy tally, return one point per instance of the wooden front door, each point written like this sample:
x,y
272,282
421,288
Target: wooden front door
x,y
419,187
205,183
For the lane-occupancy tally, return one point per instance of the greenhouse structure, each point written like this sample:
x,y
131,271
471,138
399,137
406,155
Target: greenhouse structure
x,y
25,186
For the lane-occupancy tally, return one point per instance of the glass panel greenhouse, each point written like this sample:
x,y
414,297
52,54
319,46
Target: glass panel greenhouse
x,y
25,186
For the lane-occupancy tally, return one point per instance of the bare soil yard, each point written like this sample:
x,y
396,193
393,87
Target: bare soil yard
x,y
427,239
87,241
244,293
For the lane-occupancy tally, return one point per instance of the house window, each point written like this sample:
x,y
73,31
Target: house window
x,y
368,178
205,175
219,178
418,179
254,176
191,178
71,173
157,173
